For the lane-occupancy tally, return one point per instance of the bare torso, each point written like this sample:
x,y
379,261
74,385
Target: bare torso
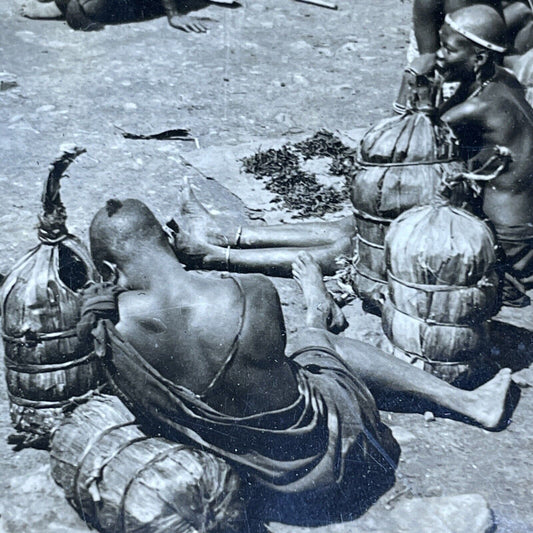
x,y
189,339
499,116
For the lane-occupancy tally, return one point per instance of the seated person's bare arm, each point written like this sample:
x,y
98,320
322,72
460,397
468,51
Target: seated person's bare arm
x,y
428,16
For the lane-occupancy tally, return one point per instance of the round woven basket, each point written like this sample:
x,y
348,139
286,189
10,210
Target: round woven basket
x,y
123,481
443,288
46,368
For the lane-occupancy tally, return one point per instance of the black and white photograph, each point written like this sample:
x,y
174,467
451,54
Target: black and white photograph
x,y
266,266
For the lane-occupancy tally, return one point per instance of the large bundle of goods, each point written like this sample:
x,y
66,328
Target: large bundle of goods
x,y
403,161
443,288
46,367
121,480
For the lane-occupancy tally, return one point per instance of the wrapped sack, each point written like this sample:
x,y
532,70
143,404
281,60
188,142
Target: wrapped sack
x,y
46,367
403,161
443,288
120,480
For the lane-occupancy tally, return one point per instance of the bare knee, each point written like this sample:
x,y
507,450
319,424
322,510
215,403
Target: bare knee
x,y
81,15
307,337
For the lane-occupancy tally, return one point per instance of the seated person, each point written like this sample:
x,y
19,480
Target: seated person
x,y
201,357
88,15
428,17
489,111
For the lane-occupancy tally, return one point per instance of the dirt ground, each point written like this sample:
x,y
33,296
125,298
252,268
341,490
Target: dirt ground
x,y
271,69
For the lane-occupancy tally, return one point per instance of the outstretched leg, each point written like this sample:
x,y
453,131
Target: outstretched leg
x,y
383,372
196,219
200,242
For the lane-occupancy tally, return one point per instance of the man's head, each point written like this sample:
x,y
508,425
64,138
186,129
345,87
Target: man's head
x,y
471,38
122,231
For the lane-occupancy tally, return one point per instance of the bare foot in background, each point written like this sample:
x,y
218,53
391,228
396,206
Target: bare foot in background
x,y
33,9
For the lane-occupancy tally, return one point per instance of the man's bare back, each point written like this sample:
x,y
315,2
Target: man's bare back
x,y
205,335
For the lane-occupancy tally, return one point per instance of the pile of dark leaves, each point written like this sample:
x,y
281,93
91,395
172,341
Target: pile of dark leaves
x,y
296,189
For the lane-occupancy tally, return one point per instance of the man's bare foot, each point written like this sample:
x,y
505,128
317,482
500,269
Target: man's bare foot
x,y
186,23
197,220
33,9
486,404
322,311
189,247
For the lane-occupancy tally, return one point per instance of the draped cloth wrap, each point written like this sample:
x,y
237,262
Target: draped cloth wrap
x,y
516,248
329,435
517,244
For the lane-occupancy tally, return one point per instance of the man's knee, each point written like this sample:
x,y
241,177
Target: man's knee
x,y
82,14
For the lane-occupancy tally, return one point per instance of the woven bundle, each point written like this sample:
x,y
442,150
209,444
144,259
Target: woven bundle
x,y
121,480
403,161
408,138
46,368
443,287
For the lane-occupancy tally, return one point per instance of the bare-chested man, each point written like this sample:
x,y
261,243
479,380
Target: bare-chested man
x,y
202,357
428,18
489,110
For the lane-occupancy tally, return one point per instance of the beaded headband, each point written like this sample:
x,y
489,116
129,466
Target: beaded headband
x,y
473,37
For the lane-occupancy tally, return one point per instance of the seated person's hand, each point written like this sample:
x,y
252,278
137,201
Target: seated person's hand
x,y
422,65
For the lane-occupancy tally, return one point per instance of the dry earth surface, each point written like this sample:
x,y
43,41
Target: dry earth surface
x,y
271,69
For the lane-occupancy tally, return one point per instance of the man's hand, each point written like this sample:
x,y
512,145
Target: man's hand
x,y
422,65
186,23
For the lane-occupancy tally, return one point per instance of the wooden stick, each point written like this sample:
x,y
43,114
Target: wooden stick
x,y
320,3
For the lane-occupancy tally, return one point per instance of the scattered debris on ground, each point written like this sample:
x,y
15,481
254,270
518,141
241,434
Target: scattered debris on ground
x,y
297,189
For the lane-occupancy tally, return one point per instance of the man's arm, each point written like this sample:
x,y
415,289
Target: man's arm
x,y
467,114
428,16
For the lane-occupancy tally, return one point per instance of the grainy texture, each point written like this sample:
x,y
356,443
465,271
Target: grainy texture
x,y
290,68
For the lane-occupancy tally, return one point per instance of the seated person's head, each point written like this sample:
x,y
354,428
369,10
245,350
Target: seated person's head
x,y
122,231
472,38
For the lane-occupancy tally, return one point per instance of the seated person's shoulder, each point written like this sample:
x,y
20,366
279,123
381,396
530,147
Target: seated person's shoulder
x,y
508,78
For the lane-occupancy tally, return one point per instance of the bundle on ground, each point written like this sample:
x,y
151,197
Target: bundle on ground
x,y
402,163
121,480
443,288
46,367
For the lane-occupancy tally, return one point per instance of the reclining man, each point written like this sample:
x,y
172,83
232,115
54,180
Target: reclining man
x,y
202,357
90,15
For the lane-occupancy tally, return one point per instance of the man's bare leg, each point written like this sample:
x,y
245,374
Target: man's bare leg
x,y
383,372
195,252
195,218
33,9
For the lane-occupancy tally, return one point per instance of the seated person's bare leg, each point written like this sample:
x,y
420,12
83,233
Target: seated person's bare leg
x,y
519,21
383,372
195,219
34,9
